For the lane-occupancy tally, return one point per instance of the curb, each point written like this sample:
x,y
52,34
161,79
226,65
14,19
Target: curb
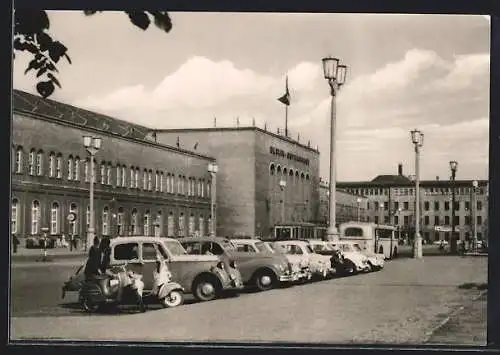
x,y
429,334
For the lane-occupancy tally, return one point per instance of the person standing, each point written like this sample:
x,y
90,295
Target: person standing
x,y
94,260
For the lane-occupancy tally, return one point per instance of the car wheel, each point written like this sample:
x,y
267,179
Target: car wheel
x,y
265,280
349,268
174,299
205,289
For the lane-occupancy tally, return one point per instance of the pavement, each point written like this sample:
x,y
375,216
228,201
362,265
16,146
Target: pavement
x,y
410,302
24,255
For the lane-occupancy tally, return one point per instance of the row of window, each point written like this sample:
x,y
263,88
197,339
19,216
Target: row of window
x,y
123,177
278,170
403,191
447,235
405,206
151,225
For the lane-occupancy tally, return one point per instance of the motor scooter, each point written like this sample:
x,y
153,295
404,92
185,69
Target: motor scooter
x,y
116,288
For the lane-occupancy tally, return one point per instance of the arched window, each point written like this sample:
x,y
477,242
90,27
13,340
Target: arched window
x,y
103,173
136,181
118,175
73,225
191,225
59,166
203,188
157,181
124,176
179,185
170,225
70,167
272,169
133,222
18,168
76,172
210,225
86,170
105,220
147,223
161,181
31,162
158,227
108,174
145,180
290,173
182,225
209,188
183,185
52,164
54,219
285,171
150,180
302,176
132,177
200,184
35,217
189,186
120,222
296,175
14,223
39,163
278,169
201,223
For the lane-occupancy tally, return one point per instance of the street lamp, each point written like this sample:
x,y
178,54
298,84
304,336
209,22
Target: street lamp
x,y
475,184
358,201
417,138
213,169
335,74
453,168
397,212
92,145
282,187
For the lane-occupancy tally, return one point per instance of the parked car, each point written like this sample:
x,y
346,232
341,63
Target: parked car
x,y
297,263
355,260
263,271
376,261
258,246
205,276
319,265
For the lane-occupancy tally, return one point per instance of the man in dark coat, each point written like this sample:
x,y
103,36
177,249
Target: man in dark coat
x,y
93,261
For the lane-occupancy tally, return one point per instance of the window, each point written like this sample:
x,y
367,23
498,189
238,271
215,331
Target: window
x,y
35,217
386,206
149,252
133,222
73,226
132,177
70,168
170,225
406,205
406,220
103,173
202,188
120,221
105,220
376,206
426,205
108,174
376,219
426,220
150,180
118,176
59,166
76,173
457,205
209,188
52,164
436,220
126,251
54,219
457,220
157,181
147,223
14,216
179,183
467,205
446,205
145,180
353,232
158,225
86,170
396,206
479,205
124,176
479,220
18,168
161,181
39,163
436,205
181,224
191,225
396,220
201,223
447,220
136,181
31,162
467,220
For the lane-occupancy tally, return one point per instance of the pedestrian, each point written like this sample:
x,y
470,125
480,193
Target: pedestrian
x,y
71,241
15,243
93,260
105,255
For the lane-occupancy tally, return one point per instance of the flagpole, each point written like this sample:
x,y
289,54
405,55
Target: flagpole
x,y
286,120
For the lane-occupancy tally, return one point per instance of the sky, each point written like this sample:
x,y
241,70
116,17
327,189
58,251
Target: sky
x,y
429,72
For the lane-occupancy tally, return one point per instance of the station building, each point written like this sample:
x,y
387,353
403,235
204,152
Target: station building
x,y
141,188
391,200
252,162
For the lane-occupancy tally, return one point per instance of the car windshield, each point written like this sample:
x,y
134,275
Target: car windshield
x,y
175,247
227,245
320,247
270,247
309,249
261,247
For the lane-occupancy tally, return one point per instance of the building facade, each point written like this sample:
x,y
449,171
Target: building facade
x,y
264,179
141,187
391,200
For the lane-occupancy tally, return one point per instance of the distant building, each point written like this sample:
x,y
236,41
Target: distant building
x,y
391,200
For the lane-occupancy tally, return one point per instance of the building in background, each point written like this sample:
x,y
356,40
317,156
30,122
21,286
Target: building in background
x,y
391,200
141,187
264,179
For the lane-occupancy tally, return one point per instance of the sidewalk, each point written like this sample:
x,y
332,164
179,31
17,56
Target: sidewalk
x,y
31,255
467,326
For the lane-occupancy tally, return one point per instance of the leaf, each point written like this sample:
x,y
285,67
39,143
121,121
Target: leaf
x,y
32,65
41,71
57,50
44,40
45,88
54,79
67,58
162,20
140,19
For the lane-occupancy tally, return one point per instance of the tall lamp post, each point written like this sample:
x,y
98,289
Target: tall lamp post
x,y
475,185
417,138
358,201
453,168
282,187
335,74
213,169
92,145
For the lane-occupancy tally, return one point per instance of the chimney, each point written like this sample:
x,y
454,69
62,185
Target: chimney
x,y
400,169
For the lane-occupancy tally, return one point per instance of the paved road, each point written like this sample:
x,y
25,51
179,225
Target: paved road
x,y
400,304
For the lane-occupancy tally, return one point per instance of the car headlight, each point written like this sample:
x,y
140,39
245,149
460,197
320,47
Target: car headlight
x,y
232,263
295,268
220,265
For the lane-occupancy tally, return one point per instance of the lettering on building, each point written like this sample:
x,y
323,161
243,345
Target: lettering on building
x,y
290,156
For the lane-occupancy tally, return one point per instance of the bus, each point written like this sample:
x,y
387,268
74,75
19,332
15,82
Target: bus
x,y
378,238
298,231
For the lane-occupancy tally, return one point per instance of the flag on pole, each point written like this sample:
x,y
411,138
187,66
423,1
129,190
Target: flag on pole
x,y
285,99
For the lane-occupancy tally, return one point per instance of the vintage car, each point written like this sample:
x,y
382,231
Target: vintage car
x,y
319,265
264,271
375,261
355,261
205,276
258,246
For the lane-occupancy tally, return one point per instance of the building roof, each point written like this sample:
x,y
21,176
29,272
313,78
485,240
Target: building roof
x,y
388,182
392,180
29,103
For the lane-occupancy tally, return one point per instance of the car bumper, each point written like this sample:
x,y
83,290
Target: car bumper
x,y
289,278
234,283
